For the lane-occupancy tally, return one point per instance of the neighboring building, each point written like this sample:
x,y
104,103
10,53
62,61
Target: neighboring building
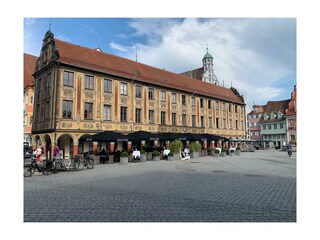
x,y
291,116
273,124
28,95
81,91
206,72
254,128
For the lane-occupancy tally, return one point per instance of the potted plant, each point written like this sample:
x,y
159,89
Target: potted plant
x,y
156,156
143,156
171,156
124,158
231,152
216,153
238,149
223,152
175,148
195,149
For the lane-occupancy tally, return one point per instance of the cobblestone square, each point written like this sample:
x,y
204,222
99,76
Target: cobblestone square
x,y
253,187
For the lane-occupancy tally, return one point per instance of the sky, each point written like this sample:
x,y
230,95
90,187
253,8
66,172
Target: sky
x,y
257,56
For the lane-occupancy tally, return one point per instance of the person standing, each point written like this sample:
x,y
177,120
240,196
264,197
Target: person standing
x,y
57,151
38,153
289,149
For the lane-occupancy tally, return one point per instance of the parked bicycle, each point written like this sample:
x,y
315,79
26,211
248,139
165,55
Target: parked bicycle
x,y
75,164
88,161
46,168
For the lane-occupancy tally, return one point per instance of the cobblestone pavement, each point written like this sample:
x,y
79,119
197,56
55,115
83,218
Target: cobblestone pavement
x,y
252,187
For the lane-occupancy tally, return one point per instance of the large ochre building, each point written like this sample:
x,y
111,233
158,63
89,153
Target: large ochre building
x,y
81,91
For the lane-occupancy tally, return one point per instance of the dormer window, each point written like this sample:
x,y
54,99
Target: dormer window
x,y
280,115
272,116
265,116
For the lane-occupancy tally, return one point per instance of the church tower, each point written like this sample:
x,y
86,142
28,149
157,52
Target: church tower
x,y
208,73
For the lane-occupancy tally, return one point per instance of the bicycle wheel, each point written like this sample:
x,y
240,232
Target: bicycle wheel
x,y
47,169
29,171
90,164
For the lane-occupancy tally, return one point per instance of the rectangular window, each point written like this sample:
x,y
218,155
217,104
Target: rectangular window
x,y
88,111
89,83
174,119
67,109
237,125
68,78
209,104
230,107
281,125
47,109
193,101
138,115
224,123
269,126
217,122
151,94
163,96
123,114
163,118
138,91
184,120
201,102
193,120
202,121
173,98
275,126
107,86
183,99
31,120
230,123
123,89
223,106
210,122
107,113
217,105
151,116
236,109
264,127
48,84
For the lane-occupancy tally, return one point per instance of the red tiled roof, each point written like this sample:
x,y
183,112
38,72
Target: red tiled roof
x,y
195,73
29,65
275,107
292,105
87,58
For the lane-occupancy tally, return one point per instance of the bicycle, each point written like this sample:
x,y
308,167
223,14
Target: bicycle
x,y
59,165
75,164
46,168
88,161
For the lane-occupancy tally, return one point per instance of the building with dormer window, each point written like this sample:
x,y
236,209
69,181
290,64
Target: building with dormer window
x,y
273,124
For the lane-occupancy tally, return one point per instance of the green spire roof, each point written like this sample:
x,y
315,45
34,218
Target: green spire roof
x,y
207,55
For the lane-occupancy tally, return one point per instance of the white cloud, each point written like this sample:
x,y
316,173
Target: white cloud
x,y
118,47
253,54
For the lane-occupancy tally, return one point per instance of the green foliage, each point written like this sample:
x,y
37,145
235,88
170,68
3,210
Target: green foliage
x,y
231,151
223,149
142,151
216,151
194,147
238,148
175,146
124,154
155,154
170,154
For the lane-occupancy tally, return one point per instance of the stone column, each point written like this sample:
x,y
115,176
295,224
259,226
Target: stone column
x,y
129,146
112,147
212,145
155,143
75,148
205,145
95,148
143,143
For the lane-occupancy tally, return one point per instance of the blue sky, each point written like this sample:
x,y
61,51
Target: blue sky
x,y
256,55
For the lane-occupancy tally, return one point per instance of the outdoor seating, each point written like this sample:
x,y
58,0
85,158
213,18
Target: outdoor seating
x,y
136,155
184,157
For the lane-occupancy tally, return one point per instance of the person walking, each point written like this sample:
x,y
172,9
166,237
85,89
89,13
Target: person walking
x,y
57,152
289,149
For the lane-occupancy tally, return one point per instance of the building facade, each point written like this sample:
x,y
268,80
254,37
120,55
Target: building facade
x,y
254,128
291,117
273,124
81,91
28,96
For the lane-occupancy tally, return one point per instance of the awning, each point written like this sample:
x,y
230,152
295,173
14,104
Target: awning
x,y
107,136
142,135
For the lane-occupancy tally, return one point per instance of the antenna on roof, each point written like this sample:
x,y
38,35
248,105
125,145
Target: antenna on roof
x,y
222,83
231,83
191,73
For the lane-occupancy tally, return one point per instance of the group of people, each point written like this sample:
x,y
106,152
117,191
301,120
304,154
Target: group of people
x,y
38,152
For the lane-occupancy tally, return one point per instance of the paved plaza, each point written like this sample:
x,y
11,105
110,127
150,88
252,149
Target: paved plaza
x,y
253,187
